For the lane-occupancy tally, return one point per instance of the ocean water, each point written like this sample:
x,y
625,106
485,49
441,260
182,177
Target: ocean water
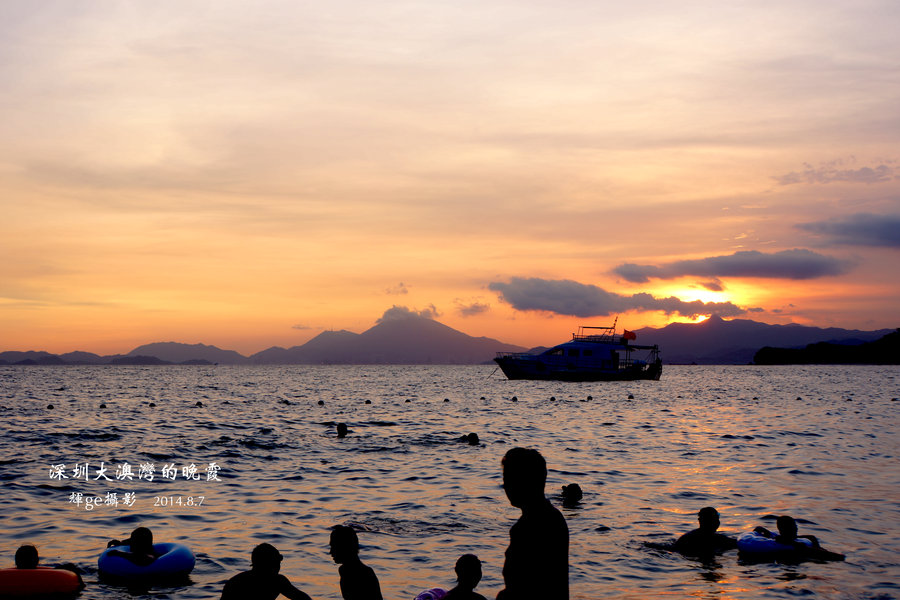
x,y
818,443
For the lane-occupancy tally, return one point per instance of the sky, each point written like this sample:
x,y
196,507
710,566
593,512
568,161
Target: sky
x,y
251,174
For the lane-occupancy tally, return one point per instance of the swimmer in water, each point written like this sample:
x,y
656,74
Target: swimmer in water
x,y
571,495
787,535
358,582
263,581
27,558
468,574
140,547
704,540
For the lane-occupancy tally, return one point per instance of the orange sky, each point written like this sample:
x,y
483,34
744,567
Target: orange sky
x,y
248,176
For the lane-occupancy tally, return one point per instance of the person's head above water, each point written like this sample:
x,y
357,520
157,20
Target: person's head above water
x,y
708,517
344,543
787,527
524,476
141,540
265,557
27,557
468,571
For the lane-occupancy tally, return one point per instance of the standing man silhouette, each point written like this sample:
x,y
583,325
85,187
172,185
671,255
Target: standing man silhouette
x,y
537,559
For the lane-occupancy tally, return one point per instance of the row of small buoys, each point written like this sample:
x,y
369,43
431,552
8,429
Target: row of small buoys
x,y
199,404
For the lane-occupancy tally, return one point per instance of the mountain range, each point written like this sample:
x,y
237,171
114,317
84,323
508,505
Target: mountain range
x,y
716,341
420,340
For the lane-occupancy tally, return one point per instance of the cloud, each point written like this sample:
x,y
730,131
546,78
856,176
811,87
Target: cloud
x,y
713,285
787,264
397,290
301,327
832,172
398,313
472,309
566,297
862,229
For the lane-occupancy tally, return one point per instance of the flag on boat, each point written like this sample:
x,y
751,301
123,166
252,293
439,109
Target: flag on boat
x,y
629,335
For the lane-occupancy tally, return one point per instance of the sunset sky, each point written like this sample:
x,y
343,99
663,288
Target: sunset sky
x,y
251,174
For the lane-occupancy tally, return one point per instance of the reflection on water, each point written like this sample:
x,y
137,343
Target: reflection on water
x,y
647,456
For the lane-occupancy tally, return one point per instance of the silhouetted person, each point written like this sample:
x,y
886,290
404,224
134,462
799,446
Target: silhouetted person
x,y
358,582
471,439
262,581
704,540
572,495
27,558
140,547
341,430
468,574
787,535
537,559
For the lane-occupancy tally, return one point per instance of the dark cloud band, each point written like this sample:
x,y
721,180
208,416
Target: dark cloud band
x,y
787,264
862,229
566,297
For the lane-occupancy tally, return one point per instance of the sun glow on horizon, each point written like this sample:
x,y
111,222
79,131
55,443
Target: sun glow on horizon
x,y
695,293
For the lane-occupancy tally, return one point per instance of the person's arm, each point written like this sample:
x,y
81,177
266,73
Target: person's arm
x,y
726,542
227,592
288,590
375,586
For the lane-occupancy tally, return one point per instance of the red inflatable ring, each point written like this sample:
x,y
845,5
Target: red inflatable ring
x,y
43,581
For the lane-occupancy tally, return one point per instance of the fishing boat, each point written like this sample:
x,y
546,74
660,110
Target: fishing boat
x,y
593,354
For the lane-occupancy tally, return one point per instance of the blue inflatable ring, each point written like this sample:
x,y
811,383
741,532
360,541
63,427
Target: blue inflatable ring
x,y
757,543
173,560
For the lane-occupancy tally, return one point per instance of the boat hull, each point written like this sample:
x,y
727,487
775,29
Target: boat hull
x,y
535,368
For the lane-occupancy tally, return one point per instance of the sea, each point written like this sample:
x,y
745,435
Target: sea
x,y
222,458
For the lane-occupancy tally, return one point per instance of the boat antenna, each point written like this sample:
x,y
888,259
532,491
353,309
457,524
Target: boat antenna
x,y
616,320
